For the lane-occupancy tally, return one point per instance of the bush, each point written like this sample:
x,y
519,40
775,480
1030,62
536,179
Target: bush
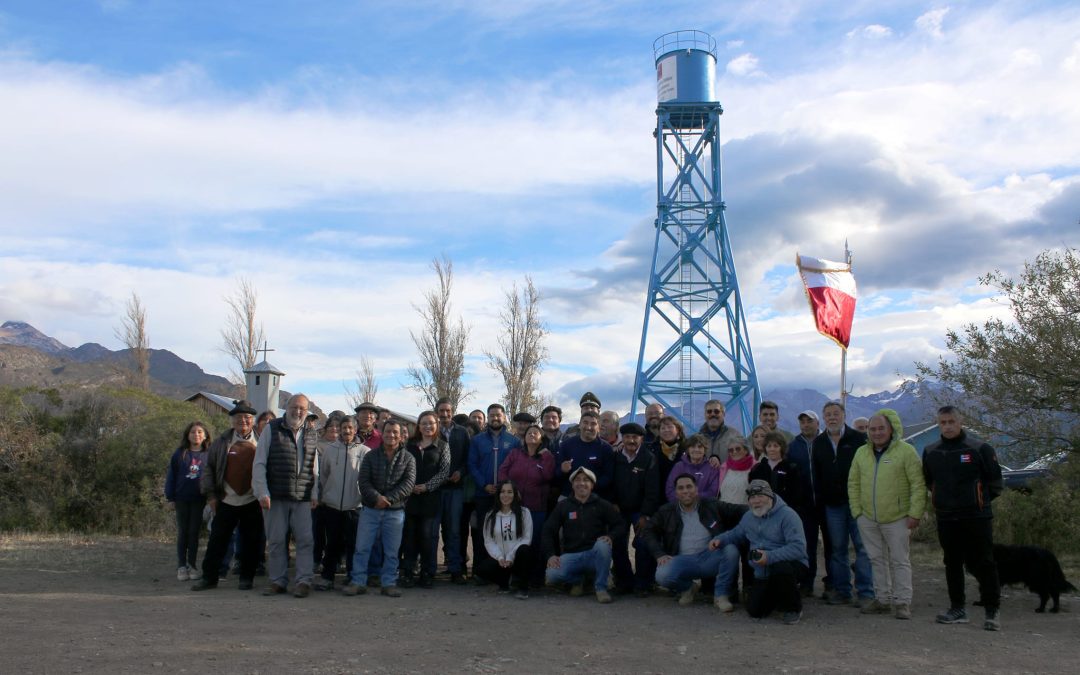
x,y
89,461
1048,516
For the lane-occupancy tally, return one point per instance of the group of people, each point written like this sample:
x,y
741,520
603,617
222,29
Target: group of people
x,y
534,504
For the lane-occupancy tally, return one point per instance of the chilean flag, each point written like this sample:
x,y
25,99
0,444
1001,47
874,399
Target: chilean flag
x,y
830,288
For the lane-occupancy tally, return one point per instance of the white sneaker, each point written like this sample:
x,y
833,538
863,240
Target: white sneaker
x,y
686,598
722,603
182,574
193,574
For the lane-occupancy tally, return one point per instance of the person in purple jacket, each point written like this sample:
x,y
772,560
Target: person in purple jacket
x,y
183,496
531,469
695,463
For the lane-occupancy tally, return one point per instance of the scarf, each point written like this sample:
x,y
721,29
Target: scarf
x,y
743,464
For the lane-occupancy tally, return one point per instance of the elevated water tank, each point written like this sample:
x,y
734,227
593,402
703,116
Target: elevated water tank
x,y
685,67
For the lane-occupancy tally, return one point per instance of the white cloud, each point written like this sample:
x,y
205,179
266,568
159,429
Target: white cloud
x,y
743,65
874,31
930,22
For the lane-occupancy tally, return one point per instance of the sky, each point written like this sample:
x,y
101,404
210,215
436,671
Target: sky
x,y
328,151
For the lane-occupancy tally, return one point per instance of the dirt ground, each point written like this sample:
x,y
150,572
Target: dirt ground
x,y
75,605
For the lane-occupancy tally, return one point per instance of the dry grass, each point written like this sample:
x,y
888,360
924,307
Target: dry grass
x,y
63,553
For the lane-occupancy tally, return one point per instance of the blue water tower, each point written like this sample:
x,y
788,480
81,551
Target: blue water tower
x,y
695,345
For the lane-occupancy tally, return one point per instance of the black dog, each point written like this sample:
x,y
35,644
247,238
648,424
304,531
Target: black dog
x,y
1036,568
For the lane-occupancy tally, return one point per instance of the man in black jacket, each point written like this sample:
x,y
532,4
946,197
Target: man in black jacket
x,y
963,476
637,494
453,494
831,456
588,526
678,537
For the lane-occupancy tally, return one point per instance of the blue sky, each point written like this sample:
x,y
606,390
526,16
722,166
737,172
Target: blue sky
x,y
329,150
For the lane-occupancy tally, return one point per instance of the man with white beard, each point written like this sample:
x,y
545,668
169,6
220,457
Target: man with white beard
x,y
283,478
777,553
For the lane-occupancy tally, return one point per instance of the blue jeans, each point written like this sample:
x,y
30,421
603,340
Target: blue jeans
x,y
842,528
450,518
573,566
386,524
681,571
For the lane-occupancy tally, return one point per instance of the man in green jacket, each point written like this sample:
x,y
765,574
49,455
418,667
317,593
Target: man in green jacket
x,y
887,494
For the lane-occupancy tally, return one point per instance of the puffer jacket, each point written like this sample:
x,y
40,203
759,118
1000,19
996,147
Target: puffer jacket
x,y
392,477
887,486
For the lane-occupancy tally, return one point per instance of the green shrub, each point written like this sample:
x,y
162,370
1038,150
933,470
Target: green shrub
x,y
89,461
1049,516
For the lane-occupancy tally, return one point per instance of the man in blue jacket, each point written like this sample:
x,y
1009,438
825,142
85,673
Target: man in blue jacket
x,y
587,449
452,497
487,451
777,553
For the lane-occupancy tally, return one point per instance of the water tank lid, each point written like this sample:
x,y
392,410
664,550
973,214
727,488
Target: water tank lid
x,y
682,40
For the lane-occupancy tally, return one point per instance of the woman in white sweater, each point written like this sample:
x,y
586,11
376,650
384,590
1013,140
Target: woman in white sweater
x,y
507,538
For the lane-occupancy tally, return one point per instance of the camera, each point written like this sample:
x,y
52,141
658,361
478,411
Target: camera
x,y
755,555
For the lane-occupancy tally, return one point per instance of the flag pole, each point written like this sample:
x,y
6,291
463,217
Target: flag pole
x,y
843,350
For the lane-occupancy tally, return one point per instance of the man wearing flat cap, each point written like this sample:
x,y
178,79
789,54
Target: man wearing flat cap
x,y
777,544
226,484
637,496
521,421
578,536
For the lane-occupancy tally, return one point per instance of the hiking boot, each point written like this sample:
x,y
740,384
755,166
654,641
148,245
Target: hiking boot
x,y
245,584
301,591
686,598
875,606
391,591
860,602
603,597
722,603
953,615
274,589
903,611
791,618
204,585
836,599
457,578
577,590
182,574
322,584
352,589
426,582
408,581
992,621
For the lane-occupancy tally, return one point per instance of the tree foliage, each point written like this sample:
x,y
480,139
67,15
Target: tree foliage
x,y
522,353
1022,377
132,332
440,343
242,335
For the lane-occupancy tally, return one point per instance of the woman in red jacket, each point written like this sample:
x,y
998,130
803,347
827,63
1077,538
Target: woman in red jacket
x,y
531,469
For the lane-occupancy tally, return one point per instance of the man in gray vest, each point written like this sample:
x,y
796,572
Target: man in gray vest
x,y
283,477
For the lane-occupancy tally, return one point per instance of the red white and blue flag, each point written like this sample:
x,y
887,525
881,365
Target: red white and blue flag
x,y
830,289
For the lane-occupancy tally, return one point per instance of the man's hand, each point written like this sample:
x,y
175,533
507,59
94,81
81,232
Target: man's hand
x,y
912,523
714,544
663,560
553,562
419,489
170,506
715,461
642,521
606,539
314,503
382,502
264,502
763,560
505,564
566,466
490,489
455,477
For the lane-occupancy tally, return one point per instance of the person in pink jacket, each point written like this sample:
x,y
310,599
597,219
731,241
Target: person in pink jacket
x,y
531,468
695,463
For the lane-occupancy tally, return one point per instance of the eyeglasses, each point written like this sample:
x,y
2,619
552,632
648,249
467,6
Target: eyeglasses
x,y
755,491
714,412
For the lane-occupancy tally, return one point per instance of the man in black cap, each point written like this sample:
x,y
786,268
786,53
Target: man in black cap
x,y
366,414
637,496
522,421
226,483
589,403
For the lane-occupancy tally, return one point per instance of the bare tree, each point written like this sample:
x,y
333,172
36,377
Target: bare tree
x,y
132,332
241,335
441,344
366,386
521,354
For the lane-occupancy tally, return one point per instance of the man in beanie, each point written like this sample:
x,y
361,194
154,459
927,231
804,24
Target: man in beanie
x,y
226,484
777,544
637,496
583,528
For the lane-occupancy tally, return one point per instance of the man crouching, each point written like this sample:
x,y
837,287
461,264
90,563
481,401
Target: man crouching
x,y
777,553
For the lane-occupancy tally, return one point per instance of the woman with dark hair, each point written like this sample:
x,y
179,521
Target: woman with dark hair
x,y
530,468
184,497
694,462
507,538
781,473
669,448
432,455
